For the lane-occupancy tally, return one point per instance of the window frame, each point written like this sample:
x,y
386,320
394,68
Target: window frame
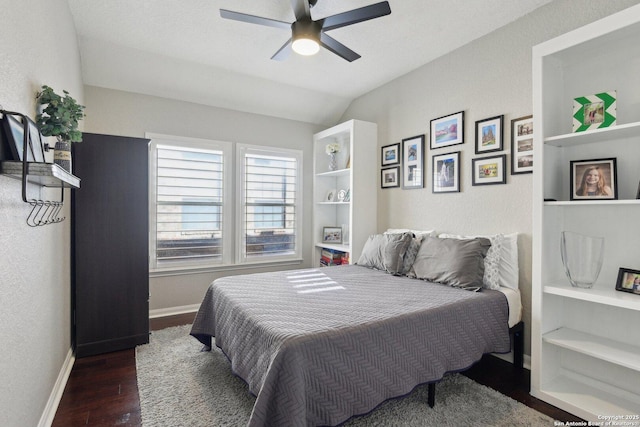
x,y
241,151
227,201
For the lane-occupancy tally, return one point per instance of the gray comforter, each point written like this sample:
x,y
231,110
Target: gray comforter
x,y
317,346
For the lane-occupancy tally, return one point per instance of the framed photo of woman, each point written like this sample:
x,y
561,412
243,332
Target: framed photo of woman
x,y
594,179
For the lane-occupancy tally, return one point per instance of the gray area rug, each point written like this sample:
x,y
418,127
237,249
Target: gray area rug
x,y
181,386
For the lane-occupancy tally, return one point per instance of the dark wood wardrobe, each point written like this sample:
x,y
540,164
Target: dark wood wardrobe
x,y
110,244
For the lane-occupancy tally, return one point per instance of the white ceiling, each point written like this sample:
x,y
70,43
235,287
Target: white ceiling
x,y
183,49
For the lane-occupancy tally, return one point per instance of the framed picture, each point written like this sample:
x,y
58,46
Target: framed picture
x,y
391,154
446,173
331,234
594,111
347,196
331,195
628,281
389,177
522,145
36,142
489,135
413,162
14,130
594,179
447,130
489,170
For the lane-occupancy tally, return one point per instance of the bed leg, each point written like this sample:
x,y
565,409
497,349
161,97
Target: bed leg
x,y
431,398
518,345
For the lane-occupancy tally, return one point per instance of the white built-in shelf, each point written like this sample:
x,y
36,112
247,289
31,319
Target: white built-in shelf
x,y
336,247
574,369
627,130
336,173
602,348
577,396
597,295
44,174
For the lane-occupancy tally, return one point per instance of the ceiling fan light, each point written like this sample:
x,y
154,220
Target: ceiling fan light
x,y
305,38
305,46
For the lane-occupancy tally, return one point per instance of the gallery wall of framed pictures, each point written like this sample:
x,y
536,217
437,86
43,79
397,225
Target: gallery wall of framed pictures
x,y
411,163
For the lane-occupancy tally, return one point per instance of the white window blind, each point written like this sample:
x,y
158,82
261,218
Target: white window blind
x,y
270,190
188,210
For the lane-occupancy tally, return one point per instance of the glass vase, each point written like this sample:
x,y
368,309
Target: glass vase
x,y
582,258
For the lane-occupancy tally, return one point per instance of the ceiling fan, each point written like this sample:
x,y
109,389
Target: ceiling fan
x,y
308,35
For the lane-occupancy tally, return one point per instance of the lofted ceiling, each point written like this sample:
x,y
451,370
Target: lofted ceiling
x,y
184,50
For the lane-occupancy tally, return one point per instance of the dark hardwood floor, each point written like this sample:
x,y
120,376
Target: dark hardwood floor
x,y
102,390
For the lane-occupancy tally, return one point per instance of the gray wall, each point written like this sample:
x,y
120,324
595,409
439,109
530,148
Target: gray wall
x,y
486,78
124,113
38,47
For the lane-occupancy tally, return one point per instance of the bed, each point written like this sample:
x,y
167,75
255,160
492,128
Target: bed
x,y
318,346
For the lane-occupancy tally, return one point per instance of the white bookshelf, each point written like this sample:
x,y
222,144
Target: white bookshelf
x,y
358,173
586,342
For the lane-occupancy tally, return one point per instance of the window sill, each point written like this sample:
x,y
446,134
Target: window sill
x,y
180,271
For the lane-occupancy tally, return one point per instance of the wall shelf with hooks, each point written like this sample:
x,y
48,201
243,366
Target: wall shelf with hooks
x,y
43,174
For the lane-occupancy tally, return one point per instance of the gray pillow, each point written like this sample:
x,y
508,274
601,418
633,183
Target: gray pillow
x,y
385,252
458,263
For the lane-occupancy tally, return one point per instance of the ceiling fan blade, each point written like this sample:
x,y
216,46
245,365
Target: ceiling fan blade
x,y
356,15
301,9
243,17
284,52
338,48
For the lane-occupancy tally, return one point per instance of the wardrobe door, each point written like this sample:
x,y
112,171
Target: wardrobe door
x,y
110,224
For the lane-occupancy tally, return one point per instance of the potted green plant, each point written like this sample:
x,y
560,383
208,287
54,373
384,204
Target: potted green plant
x,y
59,116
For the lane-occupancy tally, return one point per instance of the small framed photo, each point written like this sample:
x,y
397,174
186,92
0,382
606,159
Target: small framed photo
x,y
413,162
594,111
14,130
522,145
389,177
489,135
446,173
331,234
331,195
628,280
36,141
594,179
447,130
489,170
391,154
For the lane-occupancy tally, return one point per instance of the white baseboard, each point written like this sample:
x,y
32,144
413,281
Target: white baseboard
x,y
172,311
58,389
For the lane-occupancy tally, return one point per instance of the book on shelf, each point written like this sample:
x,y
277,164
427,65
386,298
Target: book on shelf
x,y
332,254
327,263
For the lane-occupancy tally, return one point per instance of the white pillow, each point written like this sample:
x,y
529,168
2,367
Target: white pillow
x,y
507,266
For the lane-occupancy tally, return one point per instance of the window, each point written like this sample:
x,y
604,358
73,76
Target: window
x,y
269,189
193,217
189,213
